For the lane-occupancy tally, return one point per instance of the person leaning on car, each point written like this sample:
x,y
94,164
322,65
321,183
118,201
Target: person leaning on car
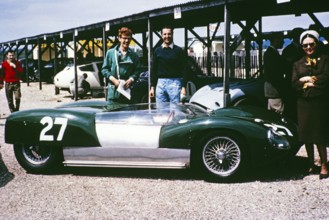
x,y
11,73
121,63
168,73
274,69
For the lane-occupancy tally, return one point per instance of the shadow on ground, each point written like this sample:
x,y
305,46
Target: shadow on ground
x,y
291,170
5,175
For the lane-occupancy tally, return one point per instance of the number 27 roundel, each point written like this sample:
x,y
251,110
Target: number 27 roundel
x,y
50,122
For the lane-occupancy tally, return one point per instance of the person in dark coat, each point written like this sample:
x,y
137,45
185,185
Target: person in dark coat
x,y
274,68
291,54
168,76
310,79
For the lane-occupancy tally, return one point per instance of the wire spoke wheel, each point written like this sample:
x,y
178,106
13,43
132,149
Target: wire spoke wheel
x,y
36,154
39,159
221,156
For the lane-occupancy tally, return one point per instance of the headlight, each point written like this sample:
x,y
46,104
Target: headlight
x,y
277,140
279,129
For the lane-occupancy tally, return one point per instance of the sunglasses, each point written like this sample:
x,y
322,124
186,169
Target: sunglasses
x,y
126,38
310,44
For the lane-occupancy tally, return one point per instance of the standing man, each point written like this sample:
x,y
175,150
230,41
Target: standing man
x,y
168,73
121,65
1,87
274,69
291,54
11,73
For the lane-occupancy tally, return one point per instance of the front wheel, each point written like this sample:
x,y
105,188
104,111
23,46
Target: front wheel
x,y
39,159
223,157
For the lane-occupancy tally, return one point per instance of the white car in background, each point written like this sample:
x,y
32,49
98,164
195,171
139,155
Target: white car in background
x,y
242,92
63,78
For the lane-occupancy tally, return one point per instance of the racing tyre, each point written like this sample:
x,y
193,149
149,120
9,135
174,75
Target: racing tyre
x,y
39,159
223,157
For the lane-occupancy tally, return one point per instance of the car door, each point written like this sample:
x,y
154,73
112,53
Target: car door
x,y
128,129
133,138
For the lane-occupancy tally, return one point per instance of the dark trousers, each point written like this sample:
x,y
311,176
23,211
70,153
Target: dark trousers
x,y
13,90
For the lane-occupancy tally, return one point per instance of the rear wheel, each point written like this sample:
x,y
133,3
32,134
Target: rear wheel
x,y
222,156
56,90
39,159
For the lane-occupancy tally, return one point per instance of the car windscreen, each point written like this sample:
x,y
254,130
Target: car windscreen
x,y
149,113
87,68
140,117
187,108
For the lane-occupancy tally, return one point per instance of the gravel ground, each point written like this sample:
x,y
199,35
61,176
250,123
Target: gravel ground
x,y
276,192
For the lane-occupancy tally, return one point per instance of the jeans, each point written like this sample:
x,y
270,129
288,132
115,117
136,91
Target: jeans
x,y
168,90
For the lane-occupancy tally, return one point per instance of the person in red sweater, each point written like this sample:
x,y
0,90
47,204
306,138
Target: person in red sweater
x,y
11,73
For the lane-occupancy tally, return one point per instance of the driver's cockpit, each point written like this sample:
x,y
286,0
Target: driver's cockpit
x,y
143,114
142,117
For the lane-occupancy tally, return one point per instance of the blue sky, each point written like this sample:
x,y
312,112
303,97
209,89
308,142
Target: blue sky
x,y
26,18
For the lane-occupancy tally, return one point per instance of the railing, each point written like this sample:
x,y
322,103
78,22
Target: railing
x,y
238,65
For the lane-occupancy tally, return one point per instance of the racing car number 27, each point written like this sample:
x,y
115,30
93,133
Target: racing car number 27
x,y
50,122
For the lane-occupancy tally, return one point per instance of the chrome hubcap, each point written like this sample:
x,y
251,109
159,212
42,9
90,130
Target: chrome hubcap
x,y
36,154
221,156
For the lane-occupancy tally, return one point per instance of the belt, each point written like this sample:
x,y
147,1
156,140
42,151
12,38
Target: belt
x,y
176,77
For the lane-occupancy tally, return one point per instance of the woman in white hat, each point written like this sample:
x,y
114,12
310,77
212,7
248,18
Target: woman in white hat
x,y
311,80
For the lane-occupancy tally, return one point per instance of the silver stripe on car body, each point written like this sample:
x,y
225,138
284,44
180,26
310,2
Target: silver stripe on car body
x,y
126,157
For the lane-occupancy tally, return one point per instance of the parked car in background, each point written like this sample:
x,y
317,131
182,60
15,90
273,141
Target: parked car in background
x,y
46,69
242,92
95,78
223,144
30,73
